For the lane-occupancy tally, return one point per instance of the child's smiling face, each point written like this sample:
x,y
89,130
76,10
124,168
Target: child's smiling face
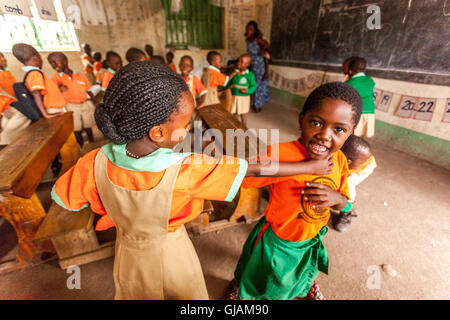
x,y
185,66
325,128
58,63
115,63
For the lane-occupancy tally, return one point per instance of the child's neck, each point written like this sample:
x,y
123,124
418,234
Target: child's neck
x,y
141,148
31,65
68,71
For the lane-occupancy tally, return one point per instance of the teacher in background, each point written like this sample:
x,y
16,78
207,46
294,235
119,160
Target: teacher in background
x,y
260,51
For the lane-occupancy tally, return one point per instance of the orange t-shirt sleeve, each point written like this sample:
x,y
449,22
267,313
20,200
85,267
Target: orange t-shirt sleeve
x,y
199,87
76,189
215,179
173,67
35,81
218,79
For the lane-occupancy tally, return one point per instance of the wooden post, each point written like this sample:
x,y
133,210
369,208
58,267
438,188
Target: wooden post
x,y
25,216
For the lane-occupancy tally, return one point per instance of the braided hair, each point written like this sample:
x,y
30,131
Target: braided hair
x,y
140,96
335,90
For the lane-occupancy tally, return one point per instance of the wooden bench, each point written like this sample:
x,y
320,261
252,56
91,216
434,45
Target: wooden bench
x,y
22,166
245,207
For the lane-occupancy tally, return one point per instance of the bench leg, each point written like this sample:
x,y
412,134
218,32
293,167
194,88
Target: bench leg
x,y
25,216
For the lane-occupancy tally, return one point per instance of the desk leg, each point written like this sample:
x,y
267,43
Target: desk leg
x,y
25,216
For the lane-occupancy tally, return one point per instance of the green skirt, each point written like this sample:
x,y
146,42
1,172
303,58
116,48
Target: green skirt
x,y
276,269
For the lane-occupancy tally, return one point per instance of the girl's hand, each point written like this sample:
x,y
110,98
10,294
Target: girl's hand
x,y
324,195
318,167
243,91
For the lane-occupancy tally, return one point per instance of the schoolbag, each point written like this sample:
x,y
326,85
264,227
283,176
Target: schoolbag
x,y
25,102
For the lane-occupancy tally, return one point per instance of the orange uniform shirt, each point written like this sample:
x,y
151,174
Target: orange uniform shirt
x,y
77,85
51,94
86,60
290,217
197,88
217,78
173,66
107,76
196,181
97,66
7,94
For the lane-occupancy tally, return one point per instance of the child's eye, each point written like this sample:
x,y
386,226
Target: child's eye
x,y
316,123
340,130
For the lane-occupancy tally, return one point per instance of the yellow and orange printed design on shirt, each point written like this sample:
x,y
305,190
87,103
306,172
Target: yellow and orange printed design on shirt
x,y
198,179
52,96
290,217
77,86
7,94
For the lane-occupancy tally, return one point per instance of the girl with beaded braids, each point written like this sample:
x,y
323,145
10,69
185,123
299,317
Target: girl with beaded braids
x,y
138,184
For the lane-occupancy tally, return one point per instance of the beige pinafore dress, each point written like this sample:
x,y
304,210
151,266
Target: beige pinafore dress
x,y
150,262
212,95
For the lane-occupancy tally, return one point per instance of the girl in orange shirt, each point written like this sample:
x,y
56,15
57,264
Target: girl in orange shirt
x,y
284,252
141,186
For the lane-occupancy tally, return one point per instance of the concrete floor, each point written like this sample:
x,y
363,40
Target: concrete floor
x,y
397,248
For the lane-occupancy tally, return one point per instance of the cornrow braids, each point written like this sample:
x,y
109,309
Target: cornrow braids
x,y
335,90
140,96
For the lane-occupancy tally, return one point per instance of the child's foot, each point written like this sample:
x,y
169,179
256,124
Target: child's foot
x,y
314,293
343,220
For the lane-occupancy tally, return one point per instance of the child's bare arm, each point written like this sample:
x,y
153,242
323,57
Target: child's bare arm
x,y
202,102
286,169
37,96
326,196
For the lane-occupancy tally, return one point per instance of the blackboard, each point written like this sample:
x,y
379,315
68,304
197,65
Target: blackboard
x,y
412,43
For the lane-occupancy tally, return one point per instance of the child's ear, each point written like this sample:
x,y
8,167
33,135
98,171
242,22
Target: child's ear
x,y
156,134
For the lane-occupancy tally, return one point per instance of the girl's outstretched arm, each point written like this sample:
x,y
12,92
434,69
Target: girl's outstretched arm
x,y
283,169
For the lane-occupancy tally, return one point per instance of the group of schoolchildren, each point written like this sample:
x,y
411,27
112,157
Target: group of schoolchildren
x,y
139,185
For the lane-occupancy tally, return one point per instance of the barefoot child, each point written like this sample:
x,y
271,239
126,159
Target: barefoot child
x,y
243,85
75,90
361,164
284,253
140,185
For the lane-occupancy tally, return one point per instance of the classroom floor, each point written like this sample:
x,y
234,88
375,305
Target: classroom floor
x,y
397,248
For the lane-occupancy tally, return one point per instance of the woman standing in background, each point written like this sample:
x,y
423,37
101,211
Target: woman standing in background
x,y
260,51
